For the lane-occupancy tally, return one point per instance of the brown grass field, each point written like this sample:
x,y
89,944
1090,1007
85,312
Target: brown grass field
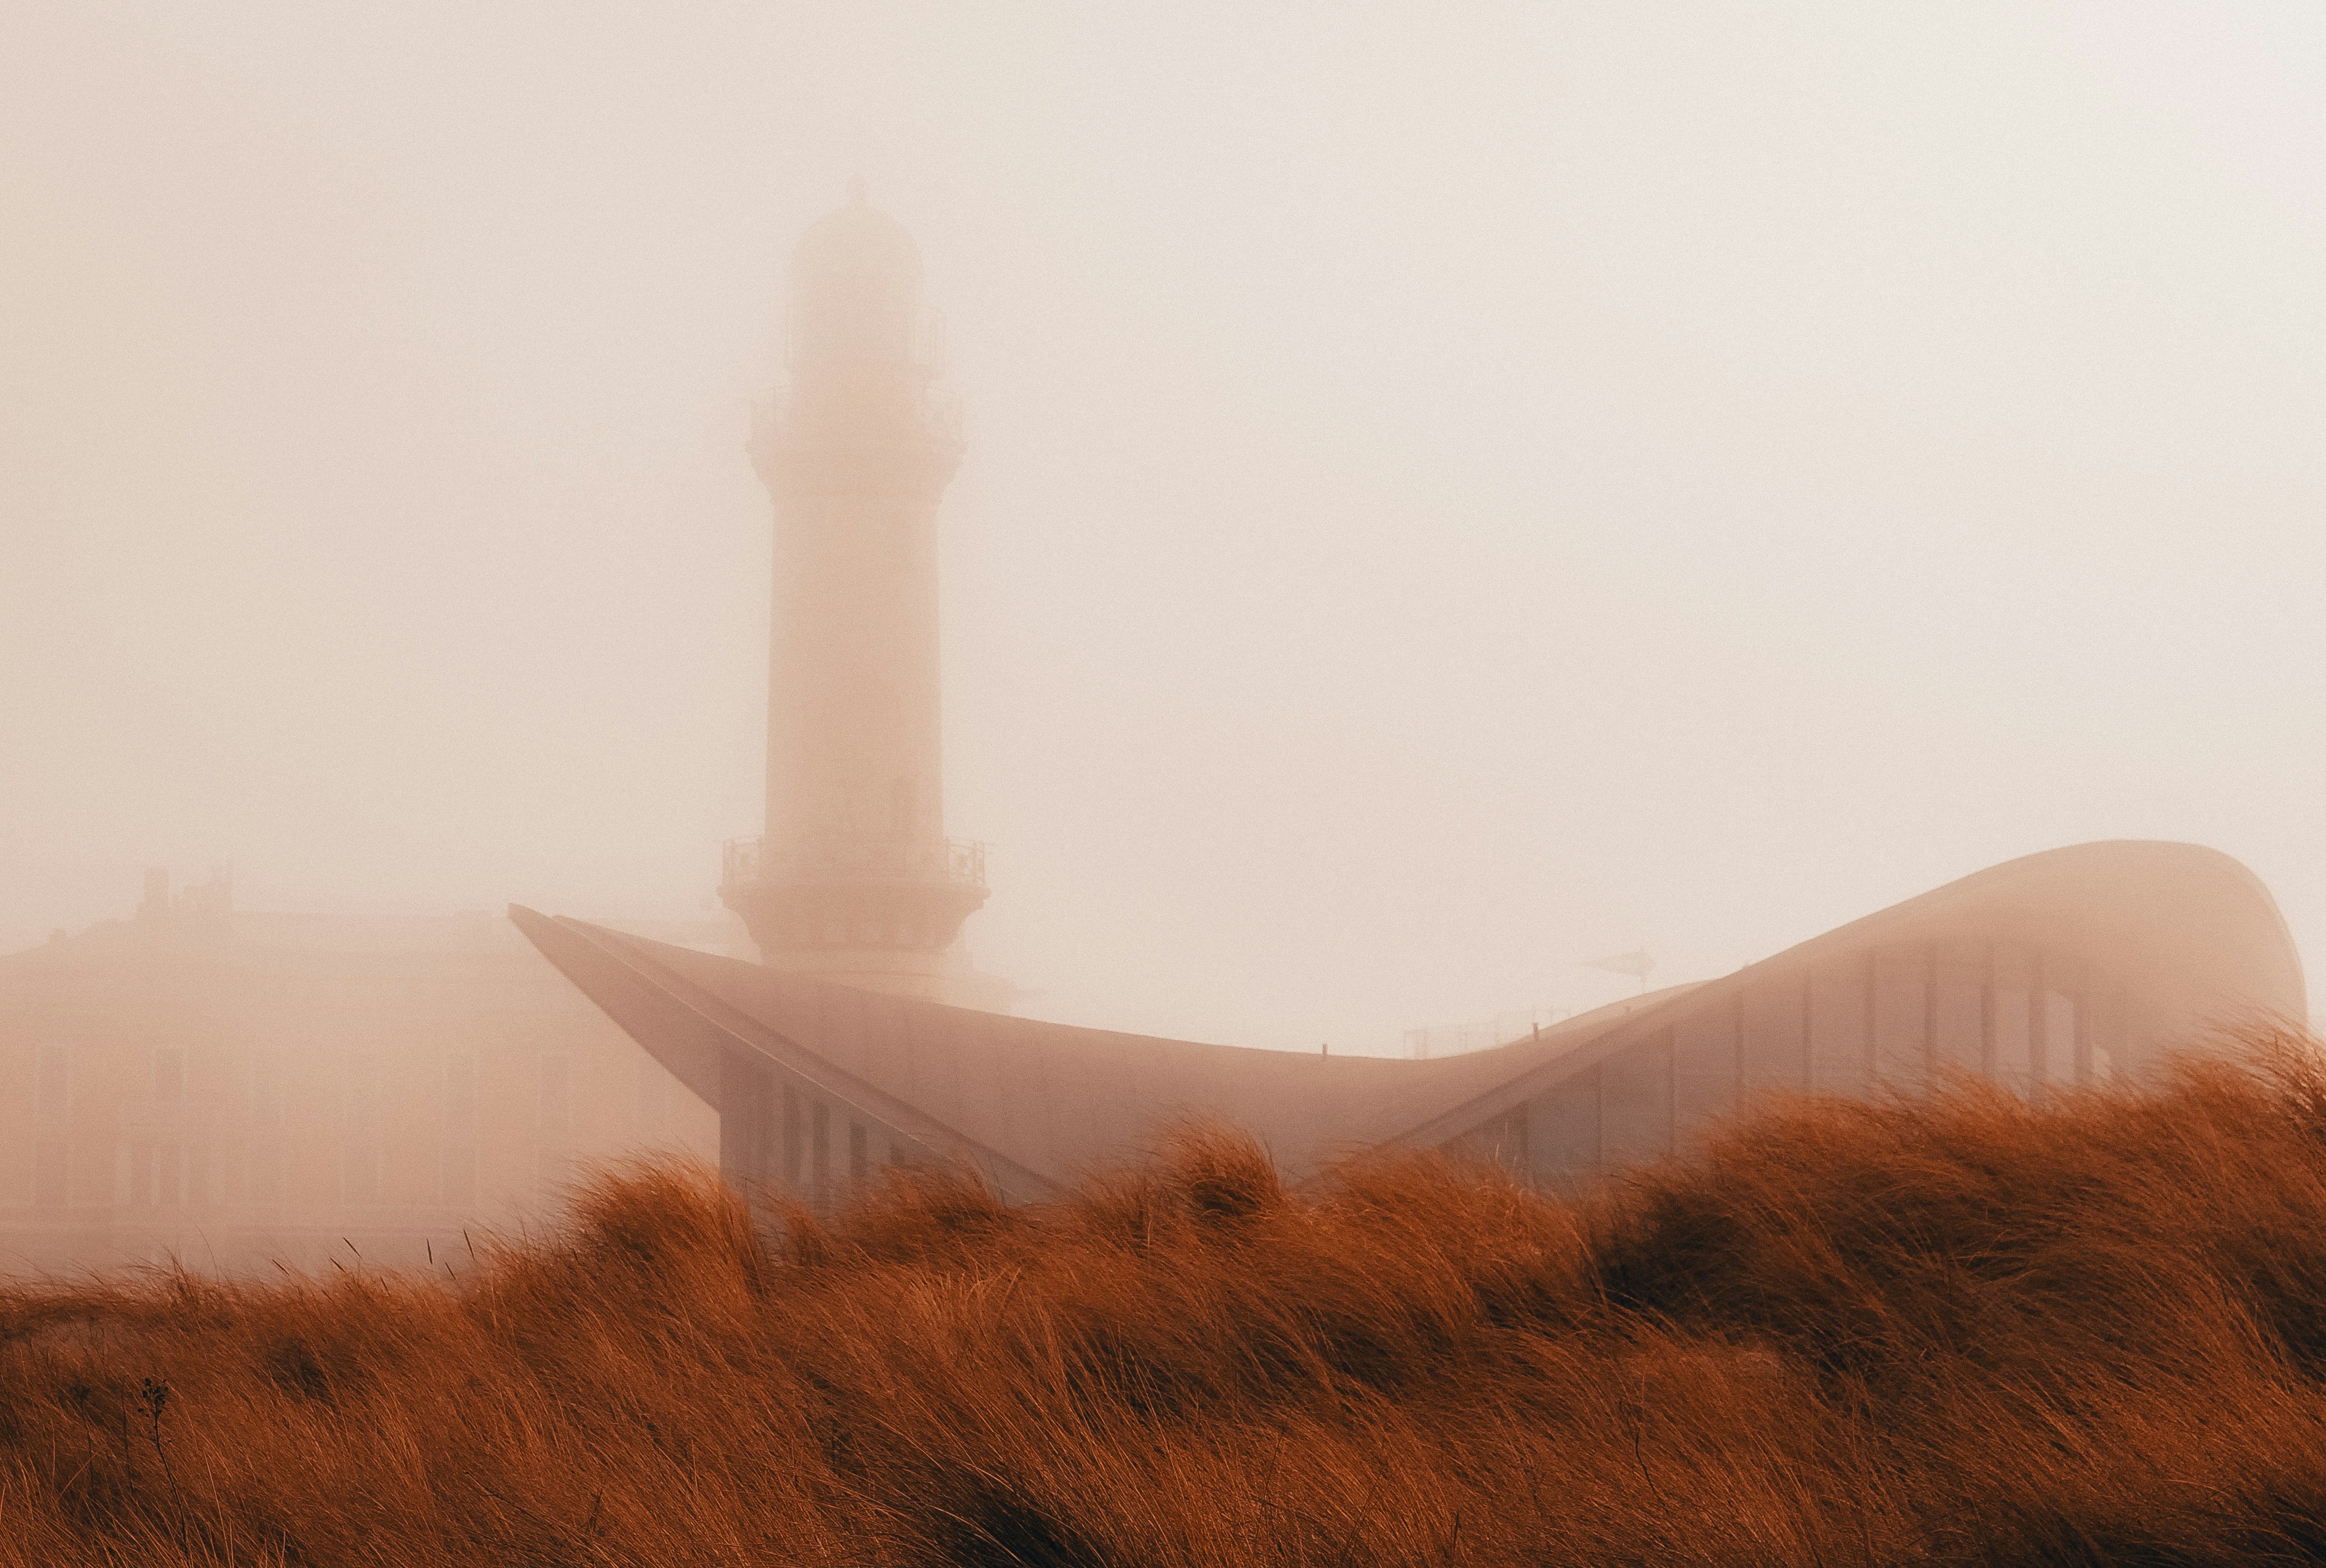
x,y
1952,1330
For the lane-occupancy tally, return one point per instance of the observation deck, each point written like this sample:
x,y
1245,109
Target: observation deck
x,y
833,892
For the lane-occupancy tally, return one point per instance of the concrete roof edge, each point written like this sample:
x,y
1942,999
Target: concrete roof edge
x,y
810,1066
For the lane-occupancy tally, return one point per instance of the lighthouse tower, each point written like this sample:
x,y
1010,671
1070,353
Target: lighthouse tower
x,y
855,880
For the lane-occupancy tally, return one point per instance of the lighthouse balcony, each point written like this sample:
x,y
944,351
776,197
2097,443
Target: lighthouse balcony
x,y
823,892
871,412
826,860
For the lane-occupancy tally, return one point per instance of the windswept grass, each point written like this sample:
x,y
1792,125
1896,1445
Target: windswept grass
x,y
1959,1328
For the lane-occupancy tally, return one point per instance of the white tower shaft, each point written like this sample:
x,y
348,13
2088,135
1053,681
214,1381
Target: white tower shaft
x,y
855,878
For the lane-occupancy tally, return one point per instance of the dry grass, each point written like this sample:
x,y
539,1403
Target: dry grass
x,y
1957,1330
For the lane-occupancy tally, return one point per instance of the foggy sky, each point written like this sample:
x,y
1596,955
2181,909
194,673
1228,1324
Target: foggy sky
x,y
1452,491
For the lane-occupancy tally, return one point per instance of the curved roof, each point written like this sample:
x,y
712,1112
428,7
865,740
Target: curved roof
x,y
2190,933
2190,927
2194,929
1050,1100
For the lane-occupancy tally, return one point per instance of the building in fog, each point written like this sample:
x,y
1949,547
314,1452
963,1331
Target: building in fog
x,y
854,878
2070,967
839,1053
233,1088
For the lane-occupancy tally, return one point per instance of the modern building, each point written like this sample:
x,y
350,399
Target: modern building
x,y
231,1088
840,1052
2071,967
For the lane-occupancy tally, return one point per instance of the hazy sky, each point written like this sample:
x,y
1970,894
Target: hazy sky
x,y
1454,490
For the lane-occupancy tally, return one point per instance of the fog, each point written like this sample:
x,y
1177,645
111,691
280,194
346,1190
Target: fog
x,y
1451,492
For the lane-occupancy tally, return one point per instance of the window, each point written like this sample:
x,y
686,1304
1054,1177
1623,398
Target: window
x,y
1839,1037
1567,1117
2014,1042
794,1146
1901,1013
1772,1046
2059,1038
52,1085
1502,1139
1958,1008
1635,1105
819,1133
2012,1053
169,1190
1704,1068
858,1159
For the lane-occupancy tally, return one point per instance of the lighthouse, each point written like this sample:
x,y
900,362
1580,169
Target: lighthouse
x,y
854,878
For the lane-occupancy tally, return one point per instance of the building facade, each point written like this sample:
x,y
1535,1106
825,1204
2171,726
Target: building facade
x,y
2079,966
233,1089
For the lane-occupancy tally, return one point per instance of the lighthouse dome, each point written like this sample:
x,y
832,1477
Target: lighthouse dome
x,y
856,239
856,278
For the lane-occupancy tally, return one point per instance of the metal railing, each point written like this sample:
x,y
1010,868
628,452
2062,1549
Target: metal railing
x,y
1484,1034
923,862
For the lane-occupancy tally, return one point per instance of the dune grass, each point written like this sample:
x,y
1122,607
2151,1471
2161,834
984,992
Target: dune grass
x,y
1958,1329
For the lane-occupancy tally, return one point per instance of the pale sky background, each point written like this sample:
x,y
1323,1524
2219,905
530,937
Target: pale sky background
x,y
1454,489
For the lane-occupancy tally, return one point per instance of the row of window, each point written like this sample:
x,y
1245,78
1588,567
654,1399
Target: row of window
x,y
148,1173
172,1172
783,1133
369,1077
1899,1015
52,1080
807,1146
